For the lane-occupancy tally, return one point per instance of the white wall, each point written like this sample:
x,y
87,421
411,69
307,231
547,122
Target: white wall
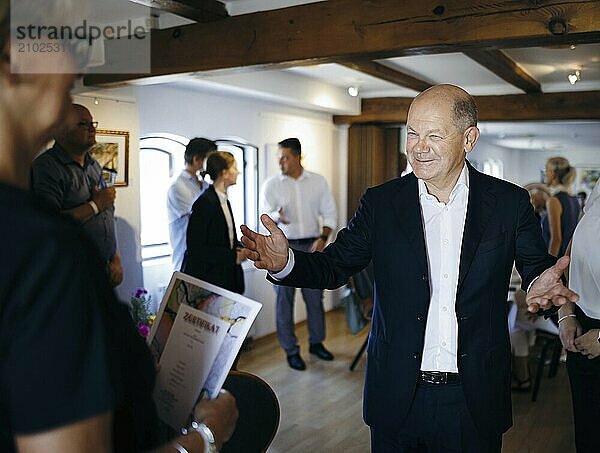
x,y
484,150
531,163
193,113
118,111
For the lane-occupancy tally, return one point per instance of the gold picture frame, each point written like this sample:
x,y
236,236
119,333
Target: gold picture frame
x,y
112,153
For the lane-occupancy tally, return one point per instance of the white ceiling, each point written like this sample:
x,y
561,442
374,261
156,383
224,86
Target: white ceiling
x,y
557,136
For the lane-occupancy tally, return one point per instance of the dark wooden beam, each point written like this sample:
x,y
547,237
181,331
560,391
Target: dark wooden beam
x,y
385,73
575,105
335,29
198,10
505,68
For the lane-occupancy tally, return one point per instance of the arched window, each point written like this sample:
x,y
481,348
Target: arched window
x,y
161,159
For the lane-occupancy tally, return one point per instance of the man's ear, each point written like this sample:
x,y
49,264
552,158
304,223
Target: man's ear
x,y
471,136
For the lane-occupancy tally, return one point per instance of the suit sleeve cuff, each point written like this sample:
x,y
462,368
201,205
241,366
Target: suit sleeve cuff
x,y
287,270
532,282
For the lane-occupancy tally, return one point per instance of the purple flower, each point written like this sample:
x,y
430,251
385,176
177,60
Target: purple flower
x,y
140,293
143,329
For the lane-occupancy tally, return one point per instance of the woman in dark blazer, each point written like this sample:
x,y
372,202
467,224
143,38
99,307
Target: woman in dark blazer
x,y
213,251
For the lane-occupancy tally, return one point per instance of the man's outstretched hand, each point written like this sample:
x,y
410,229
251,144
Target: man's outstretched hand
x,y
548,289
267,252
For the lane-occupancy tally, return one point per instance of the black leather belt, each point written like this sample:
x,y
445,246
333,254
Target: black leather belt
x,y
439,377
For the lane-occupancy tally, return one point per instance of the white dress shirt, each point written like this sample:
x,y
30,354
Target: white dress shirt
x,y
584,273
303,200
223,200
181,196
443,226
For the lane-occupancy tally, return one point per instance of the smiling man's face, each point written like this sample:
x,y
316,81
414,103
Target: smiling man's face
x,y
435,144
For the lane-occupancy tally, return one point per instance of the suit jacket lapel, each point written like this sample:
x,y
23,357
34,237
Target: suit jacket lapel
x,y
479,211
410,218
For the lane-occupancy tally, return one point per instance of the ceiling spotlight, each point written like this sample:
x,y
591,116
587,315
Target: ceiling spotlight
x,y
353,91
574,77
96,101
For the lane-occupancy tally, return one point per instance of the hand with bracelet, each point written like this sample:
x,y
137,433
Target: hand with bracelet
x,y
214,422
569,327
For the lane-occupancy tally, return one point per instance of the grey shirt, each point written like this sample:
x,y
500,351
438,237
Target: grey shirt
x,y
64,184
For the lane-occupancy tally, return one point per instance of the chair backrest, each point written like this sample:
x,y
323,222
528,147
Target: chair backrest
x,y
259,413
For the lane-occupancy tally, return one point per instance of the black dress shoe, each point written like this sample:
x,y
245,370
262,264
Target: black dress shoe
x,y
296,362
319,350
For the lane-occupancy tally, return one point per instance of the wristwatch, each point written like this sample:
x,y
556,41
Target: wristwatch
x,y
207,435
324,237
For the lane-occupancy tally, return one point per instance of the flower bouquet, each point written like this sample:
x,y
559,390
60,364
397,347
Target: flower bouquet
x,y
140,311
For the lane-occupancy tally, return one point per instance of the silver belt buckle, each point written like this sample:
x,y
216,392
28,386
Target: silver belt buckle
x,y
435,378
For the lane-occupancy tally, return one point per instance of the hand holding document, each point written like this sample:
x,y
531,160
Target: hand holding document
x,y
195,339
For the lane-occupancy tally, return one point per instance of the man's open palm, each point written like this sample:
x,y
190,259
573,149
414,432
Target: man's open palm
x,y
548,289
267,252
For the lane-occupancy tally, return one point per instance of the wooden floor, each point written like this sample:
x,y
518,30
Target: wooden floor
x,y
321,408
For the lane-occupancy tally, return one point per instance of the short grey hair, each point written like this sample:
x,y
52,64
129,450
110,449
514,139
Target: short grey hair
x,y
465,112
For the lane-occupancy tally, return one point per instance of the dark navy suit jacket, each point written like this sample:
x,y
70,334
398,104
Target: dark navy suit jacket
x,y
500,228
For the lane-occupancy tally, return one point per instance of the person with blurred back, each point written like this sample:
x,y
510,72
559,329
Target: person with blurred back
x,y
75,376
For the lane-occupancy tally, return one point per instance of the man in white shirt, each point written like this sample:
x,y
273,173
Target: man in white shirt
x,y
186,189
443,241
298,200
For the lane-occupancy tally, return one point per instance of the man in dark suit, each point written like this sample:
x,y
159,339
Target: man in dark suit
x,y
443,240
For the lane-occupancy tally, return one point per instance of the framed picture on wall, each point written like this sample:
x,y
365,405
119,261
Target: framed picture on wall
x,y
112,152
586,178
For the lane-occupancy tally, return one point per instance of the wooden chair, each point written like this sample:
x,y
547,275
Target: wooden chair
x,y
258,413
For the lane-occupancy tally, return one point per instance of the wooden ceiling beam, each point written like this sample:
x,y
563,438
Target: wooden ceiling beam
x,y
324,32
197,10
575,105
386,73
505,68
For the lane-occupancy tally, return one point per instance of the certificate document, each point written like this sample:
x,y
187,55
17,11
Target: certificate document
x,y
188,356
197,334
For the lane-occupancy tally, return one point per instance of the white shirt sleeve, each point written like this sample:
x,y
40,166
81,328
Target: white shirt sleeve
x,y
327,209
178,203
268,201
283,273
531,284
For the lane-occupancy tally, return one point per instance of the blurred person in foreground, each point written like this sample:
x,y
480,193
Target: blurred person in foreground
x,y
443,241
74,376
579,326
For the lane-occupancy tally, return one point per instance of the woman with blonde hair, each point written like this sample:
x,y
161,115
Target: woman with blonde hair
x,y
213,251
562,209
